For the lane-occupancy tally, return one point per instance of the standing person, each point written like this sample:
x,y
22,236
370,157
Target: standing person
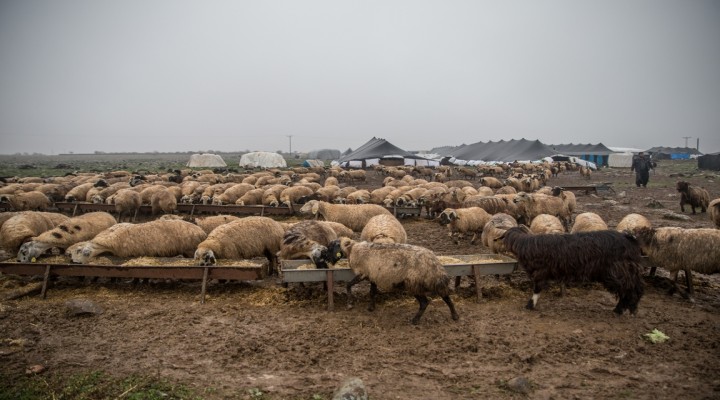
x,y
642,166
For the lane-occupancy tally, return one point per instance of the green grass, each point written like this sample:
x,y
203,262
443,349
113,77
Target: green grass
x,y
91,385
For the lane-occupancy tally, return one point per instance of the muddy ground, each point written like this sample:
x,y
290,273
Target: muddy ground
x,y
284,343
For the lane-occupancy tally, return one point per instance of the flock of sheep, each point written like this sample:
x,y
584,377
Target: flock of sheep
x,y
511,207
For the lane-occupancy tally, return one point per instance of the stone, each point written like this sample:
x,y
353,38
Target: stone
x,y
82,307
622,195
654,204
351,389
675,216
519,384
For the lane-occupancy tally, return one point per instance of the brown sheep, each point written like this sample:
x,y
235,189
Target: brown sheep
x,y
163,201
23,226
354,216
692,196
27,201
714,207
384,229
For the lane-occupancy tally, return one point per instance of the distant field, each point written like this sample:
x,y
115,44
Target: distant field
x,y
58,165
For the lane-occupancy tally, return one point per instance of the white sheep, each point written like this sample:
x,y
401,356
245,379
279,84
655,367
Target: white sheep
x,y
247,237
678,249
27,201
307,239
127,202
536,204
389,264
79,192
493,231
633,222
74,230
354,216
567,196
545,224
463,221
714,208
588,222
163,201
25,225
159,238
384,228
293,194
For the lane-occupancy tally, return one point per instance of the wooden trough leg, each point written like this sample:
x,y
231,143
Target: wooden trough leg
x,y
330,289
476,272
204,285
43,292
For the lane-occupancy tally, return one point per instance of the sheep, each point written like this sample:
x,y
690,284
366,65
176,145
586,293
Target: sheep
x,y
251,198
390,264
714,208
546,224
293,194
384,229
209,223
491,204
588,222
567,196
160,238
693,196
27,201
491,182
361,196
340,229
78,193
25,225
127,201
678,249
633,222
163,201
494,229
231,194
244,238
74,230
354,216
585,172
307,239
462,221
506,190
535,204
609,257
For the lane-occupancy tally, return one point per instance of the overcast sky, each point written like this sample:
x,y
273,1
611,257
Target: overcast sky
x,y
171,75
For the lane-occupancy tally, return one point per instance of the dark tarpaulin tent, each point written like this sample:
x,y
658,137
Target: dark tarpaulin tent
x,y
709,161
380,151
672,153
502,151
596,153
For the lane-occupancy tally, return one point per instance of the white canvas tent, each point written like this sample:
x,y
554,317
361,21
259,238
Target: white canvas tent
x,y
620,160
262,159
206,160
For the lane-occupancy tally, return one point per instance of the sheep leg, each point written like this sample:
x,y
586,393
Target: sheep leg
x,y
690,289
451,306
348,289
373,296
537,288
423,300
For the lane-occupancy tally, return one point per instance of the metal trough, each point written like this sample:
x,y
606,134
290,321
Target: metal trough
x,y
243,273
191,209
475,265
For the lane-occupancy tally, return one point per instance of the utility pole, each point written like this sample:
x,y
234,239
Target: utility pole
x,y
686,139
290,138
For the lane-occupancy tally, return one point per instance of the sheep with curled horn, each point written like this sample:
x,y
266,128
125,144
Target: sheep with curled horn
x,y
159,238
244,238
74,230
609,257
387,265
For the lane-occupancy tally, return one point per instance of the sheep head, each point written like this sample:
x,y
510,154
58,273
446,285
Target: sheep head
x,y
28,252
682,186
311,207
205,257
447,216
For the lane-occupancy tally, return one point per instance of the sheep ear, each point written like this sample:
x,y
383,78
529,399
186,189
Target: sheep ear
x,y
315,208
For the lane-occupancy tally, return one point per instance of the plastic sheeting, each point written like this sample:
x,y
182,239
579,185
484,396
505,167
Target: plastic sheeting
x,y
206,160
262,159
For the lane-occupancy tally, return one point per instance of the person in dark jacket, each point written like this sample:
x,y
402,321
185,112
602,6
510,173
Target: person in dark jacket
x,y
641,165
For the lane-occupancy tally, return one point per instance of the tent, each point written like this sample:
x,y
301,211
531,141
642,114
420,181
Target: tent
x,y
673,153
324,154
595,153
502,151
313,163
380,151
620,160
709,161
206,160
262,159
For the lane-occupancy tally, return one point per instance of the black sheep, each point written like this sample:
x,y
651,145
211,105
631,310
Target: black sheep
x,y
609,257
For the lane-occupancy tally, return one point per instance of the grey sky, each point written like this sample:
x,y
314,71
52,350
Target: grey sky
x,y
169,75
